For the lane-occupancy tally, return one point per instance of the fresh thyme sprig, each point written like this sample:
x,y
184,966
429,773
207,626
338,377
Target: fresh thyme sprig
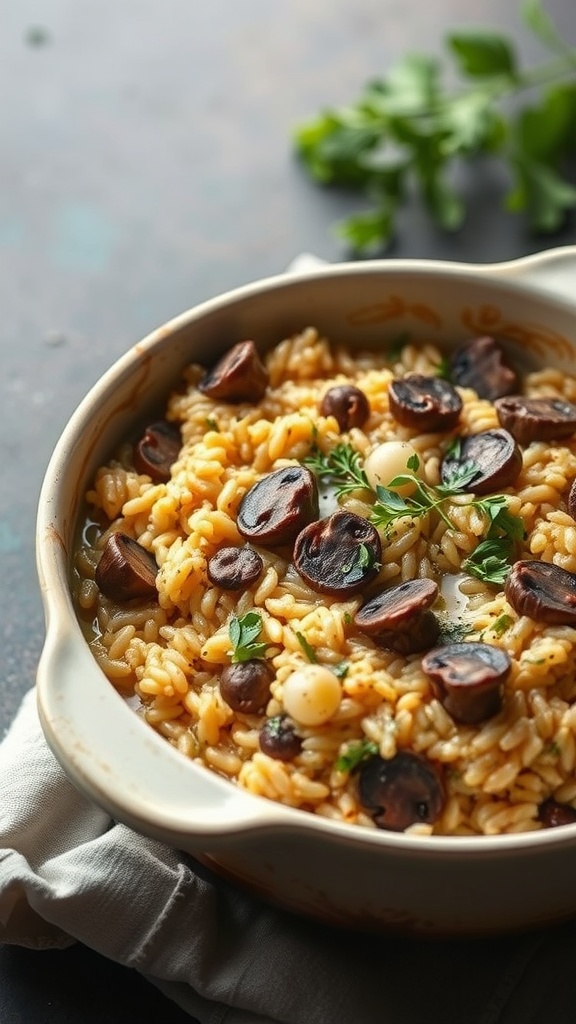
x,y
339,467
408,130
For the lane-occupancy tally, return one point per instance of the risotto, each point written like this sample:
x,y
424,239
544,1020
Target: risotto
x,y
343,581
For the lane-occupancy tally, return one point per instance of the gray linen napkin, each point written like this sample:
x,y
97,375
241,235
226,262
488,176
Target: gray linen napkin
x,y
68,872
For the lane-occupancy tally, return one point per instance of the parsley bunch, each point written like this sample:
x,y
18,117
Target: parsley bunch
x,y
407,130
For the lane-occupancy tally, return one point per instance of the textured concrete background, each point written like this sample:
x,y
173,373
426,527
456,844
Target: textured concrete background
x,y
145,164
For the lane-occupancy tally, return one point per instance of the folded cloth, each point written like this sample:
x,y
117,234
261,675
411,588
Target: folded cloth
x,y
70,873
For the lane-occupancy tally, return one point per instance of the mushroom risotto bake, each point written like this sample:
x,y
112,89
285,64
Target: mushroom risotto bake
x,y
346,581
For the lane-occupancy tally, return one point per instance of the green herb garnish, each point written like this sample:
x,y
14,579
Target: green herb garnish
x,y
354,753
501,624
340,669
307,648
340,466
491,559
408,130
244,633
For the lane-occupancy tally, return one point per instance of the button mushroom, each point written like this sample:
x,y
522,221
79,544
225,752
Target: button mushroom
x,y
347,404
424,403
468,679
399,618
481,364
234,568
536,419
240,376
245,686
276,508
494,455
126,571
405,790
542,591
339,555
156,450
279,739
552,813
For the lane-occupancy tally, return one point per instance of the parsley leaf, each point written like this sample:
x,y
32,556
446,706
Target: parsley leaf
x,y
354,753
244,633
491,559
405,132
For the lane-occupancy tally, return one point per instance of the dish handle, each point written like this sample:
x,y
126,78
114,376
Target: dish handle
x,y
552,271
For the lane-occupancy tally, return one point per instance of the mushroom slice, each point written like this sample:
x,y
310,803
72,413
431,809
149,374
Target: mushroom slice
x,y
234,568
399,618
425,403
402,791
157,449
536,419
126,571
468,679
543,591
339,555
481,364
347,404
494,455
240,376
276,508
552,813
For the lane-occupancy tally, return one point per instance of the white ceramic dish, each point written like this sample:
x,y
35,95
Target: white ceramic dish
x,y
340,873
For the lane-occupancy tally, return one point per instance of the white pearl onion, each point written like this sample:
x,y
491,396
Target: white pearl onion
x,y
388,460
311,694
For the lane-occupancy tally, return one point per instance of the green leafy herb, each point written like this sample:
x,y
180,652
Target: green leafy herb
x,y
341,466
406,132
211,423
490,561
354,753
307,648
244,633
501,624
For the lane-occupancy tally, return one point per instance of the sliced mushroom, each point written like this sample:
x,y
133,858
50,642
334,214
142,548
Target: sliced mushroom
x,y
126,571
234,568
424,403
405,790
552,813
399,618
157,450
339,555
240,376
536,419
347,404
468,679
493,453
542,591
279,739
481,364
245,686
276,508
